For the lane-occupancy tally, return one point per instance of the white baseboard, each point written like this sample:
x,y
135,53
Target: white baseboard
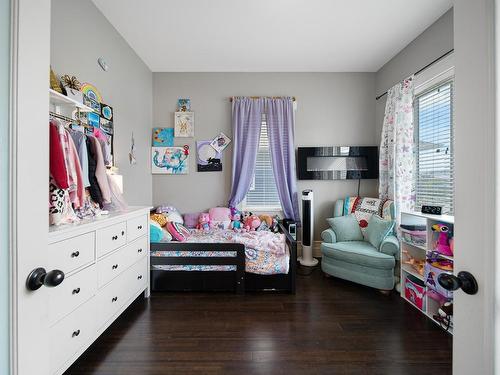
x,y
316,249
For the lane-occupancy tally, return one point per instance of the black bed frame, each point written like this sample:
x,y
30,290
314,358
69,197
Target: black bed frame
x,y
239,280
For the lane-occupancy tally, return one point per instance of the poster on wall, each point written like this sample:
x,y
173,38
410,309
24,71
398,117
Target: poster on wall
x,y
184,105
220,142
170,160
184,124
163,137
208,160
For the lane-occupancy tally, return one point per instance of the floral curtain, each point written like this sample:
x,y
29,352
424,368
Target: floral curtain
x,y
396,164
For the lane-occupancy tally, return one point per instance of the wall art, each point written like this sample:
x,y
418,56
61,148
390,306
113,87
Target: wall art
x,y
208,160
170,160
184,124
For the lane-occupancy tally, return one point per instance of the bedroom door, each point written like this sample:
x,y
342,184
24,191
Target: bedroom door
x,y
476,199
28,183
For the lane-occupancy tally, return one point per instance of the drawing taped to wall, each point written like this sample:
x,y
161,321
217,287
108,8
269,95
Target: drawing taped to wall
x,y
220,142
163,137
170,160
208,159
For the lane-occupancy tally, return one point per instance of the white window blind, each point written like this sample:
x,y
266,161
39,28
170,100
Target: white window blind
x,y
434,152
263,194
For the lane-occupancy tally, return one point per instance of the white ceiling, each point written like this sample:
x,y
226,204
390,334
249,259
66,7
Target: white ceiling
x,y
269,35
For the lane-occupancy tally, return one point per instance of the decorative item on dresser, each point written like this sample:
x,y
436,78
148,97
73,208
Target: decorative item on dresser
x,y
105,265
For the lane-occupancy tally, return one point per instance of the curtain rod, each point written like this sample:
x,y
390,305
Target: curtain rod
x,y
261,97
422,69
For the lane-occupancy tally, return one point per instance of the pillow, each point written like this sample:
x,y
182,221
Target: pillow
x,y
191,220
346,228
220,217
377,230
155,232
178,231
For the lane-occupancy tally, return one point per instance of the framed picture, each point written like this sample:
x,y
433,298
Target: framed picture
x,y
107,112
163,137
169,160
93,119
184,105
220,142
208,160
184,124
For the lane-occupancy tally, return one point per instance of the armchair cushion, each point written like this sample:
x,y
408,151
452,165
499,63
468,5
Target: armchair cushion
x,y
329,236
358,252
346,228
378,229
390,246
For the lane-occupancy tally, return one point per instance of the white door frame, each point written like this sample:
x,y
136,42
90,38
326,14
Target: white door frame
x,y
28,182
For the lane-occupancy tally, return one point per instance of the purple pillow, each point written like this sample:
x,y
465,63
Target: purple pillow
x,y
191,220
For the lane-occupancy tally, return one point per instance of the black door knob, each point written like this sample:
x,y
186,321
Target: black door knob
x,y
39,277
464,280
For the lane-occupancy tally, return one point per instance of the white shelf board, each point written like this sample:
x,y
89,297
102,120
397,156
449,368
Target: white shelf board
x,y
409,269
444,218
441,255
59,99
420,247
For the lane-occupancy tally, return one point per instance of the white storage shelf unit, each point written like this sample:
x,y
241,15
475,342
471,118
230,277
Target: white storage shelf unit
x,y
421,248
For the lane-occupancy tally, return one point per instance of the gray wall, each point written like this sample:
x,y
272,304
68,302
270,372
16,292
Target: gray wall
x,y
436,40
4,183
81,34
333,109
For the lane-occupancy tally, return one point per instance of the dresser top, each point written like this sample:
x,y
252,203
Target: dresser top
x,y
68,230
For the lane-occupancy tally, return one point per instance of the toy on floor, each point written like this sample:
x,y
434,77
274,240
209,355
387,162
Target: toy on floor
x,y
204,222
443,242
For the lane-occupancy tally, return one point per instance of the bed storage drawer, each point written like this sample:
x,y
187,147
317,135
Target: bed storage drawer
x,y
137,227
73,291
112,297
70,334
73,253
110,238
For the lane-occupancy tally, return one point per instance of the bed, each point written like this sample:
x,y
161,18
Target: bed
x,y
224,261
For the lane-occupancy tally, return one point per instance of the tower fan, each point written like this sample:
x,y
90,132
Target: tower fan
x,y
307,230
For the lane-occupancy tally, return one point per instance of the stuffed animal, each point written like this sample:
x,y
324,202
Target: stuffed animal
x,y
443,242
159,218
252,222
171,213
267,219
236,219
204,221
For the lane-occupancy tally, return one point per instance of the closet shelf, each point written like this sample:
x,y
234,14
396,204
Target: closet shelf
x,y
59,99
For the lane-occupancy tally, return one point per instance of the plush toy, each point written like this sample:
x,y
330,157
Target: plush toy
x,y
159,218
171,213
236,219
267,219
275,227
262,226
443,242
245,215
204,221
252,222
156,233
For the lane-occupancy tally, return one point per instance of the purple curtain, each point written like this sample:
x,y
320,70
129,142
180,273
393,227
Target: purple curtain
x,y
246,121
280,129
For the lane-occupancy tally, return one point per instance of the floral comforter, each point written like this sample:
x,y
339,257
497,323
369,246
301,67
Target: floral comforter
x,y
266,252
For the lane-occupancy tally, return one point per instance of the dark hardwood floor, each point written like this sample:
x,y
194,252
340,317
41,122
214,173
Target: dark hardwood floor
x,y
329,327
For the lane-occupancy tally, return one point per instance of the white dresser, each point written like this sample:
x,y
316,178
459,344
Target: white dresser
x,y
106,266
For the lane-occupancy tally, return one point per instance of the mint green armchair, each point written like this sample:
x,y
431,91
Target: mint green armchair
x,y
359,261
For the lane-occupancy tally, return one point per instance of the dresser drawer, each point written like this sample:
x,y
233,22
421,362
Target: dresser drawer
x,y
137,227
110,238
139,275
73,253
72,292
114,264
71,333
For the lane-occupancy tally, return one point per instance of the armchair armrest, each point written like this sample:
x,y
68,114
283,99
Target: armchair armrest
x,y
390,246
329,236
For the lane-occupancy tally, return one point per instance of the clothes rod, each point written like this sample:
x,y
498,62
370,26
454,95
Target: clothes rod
x,y
422,69
261,97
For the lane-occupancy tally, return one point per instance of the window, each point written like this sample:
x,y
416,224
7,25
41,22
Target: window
x,y
263,194
434,147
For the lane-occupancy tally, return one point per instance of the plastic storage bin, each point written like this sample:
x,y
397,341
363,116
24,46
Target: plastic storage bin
x,y
415,237
434,268
415,291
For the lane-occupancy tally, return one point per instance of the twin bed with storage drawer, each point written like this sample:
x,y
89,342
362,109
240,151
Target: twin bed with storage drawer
x,y
106,267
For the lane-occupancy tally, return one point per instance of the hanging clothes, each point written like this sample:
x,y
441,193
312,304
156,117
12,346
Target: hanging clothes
x,y
81,147
57,163
95,191
100,171
77,194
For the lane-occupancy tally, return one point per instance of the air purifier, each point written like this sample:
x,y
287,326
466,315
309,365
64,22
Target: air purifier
x,y
307,229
